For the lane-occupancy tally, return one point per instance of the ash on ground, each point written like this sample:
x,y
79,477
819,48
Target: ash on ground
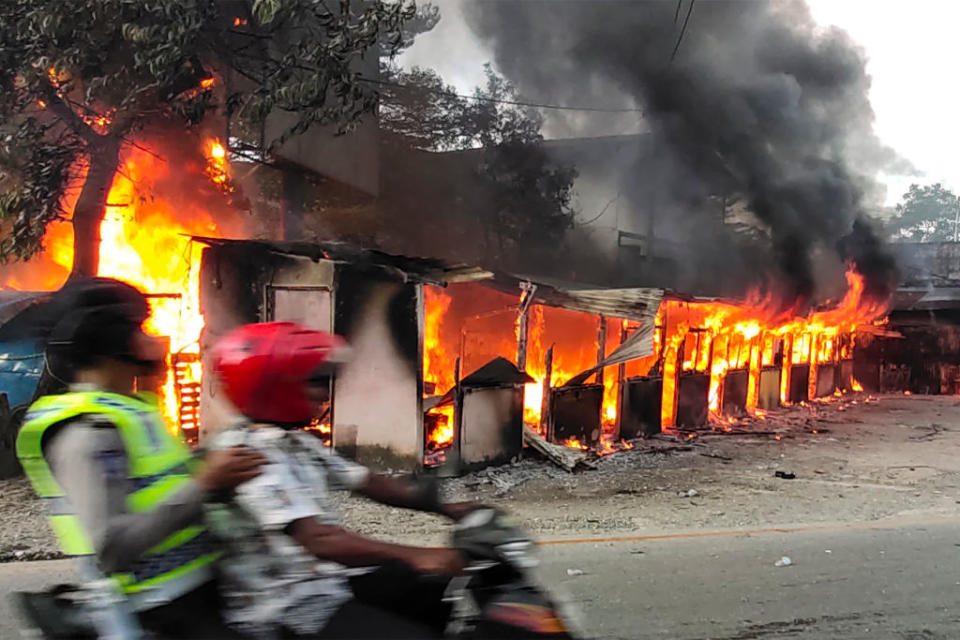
x,y
856,459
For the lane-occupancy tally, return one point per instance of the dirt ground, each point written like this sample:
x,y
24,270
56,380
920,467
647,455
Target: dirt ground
x,y
860,458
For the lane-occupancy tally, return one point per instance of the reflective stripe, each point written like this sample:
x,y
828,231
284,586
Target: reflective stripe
x,y
150,566
162,486
180,537
171,587
198,564
159,465
73,539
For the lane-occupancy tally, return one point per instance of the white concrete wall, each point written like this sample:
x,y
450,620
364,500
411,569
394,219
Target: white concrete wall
x,y
376,400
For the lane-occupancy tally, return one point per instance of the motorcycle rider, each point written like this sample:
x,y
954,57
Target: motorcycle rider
x,y
279,524
120,489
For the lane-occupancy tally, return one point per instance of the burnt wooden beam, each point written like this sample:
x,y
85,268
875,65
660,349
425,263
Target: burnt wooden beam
x,y
601,346
546,422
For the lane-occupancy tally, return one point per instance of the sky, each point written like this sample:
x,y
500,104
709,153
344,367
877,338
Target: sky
x,y
913,52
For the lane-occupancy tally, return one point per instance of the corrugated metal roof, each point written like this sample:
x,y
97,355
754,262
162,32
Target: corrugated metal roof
x,y
404,267
631,304
628,303
635,303
926,299
638,345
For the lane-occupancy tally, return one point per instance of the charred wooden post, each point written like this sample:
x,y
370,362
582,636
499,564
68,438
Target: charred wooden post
x,y
523,331
601,347
546,423
451,466
621,379
457,401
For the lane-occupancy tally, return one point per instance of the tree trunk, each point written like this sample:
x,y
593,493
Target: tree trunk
x,y
92,205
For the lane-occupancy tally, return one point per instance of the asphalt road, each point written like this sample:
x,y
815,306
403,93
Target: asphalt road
x,y
896,580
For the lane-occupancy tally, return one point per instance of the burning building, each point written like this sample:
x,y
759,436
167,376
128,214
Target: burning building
x,y
161,195
452,361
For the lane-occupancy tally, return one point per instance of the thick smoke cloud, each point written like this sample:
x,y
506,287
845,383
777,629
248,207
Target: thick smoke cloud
x,y
757,93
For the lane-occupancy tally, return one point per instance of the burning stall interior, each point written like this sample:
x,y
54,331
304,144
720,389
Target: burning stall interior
x,y
616,364
452,361
552,334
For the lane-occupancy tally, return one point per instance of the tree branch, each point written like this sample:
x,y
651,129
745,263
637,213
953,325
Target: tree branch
x,y
60,108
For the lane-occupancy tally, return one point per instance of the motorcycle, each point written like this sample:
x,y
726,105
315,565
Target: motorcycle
x,y
496,597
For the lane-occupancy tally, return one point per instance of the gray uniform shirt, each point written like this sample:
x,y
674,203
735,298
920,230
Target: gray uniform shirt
x,y
89,461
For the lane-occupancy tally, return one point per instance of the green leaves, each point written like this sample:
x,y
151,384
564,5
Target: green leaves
x,y
34,176
266,10
128,64
927,214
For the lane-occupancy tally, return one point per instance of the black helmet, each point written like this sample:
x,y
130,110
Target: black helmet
x,y
91,319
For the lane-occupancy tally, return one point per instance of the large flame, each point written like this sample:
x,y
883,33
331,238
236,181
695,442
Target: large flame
x,y
719,337
709,338
151,212
445,330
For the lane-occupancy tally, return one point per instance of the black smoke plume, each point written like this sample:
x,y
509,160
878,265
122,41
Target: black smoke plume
x,y
757,89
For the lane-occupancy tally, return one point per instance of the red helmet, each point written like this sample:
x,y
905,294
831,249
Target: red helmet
x,y
265,369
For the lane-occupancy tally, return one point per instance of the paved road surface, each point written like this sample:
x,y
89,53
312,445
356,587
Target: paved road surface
x,y
898,581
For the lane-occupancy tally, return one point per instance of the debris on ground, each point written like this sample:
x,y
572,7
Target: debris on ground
x,y
564,457
574,572
785,561
689,493
785,475
633,492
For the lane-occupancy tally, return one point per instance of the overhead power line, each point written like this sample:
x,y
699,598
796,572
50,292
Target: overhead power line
x,y
516,103
683,30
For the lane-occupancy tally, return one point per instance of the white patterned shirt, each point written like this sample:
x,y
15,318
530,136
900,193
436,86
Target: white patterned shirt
x,y
268,579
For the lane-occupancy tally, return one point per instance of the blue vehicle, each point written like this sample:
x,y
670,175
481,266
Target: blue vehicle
x,y
21,368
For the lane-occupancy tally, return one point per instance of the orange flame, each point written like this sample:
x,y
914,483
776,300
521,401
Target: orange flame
x,y
145,241
438,364
441,433
744,337
705,338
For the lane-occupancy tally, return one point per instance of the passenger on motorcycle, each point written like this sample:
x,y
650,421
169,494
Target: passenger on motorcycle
x,y
280,524
121,491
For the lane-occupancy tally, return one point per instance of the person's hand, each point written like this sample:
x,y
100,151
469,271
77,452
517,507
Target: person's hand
x,y
438,562
228,468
